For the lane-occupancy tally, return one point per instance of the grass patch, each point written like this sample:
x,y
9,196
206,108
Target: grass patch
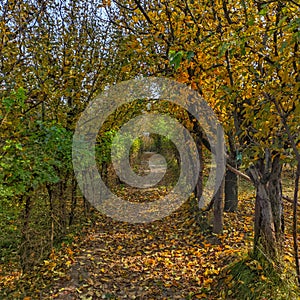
x,y
249,279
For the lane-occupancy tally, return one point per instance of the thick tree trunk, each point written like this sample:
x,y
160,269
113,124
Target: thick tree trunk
x,y
268,226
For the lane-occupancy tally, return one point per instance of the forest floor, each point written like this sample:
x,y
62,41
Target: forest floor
x,y
172,258
167,259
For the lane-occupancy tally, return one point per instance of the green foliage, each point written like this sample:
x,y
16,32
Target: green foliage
x,y
9,227
35,158
242,55
103,146
136,145
15,100
175,58
33,154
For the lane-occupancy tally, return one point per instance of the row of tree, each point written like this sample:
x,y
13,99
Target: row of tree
x,y
241,56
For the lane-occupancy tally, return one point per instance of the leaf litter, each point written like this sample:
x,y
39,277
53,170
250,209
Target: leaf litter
x,y
172,258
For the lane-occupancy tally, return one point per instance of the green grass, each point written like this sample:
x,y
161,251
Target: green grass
x,y
253,278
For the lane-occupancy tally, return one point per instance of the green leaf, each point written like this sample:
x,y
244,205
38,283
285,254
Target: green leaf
x,y
243,49
223,48
226,88
190,55
283,46
21,96
8,103
175,58
281,21
251,21
263,11
172,53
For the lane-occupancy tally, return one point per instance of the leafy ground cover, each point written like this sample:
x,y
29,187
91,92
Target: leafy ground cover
x,y
171,258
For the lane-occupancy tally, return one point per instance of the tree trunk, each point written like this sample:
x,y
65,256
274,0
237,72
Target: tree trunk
x,y
295,222
220,168
50,195
231,192
25,249
231,179
218,210
62,205
268,226
199,185
104,172
73,200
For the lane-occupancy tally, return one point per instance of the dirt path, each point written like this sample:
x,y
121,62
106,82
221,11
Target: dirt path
x,y
165,259
122,261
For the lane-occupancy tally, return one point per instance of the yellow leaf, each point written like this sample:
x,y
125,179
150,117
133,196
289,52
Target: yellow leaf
x,y
68,263
288,258
69,251
263,277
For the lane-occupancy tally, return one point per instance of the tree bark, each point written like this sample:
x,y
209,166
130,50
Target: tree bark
x,y
73,200
25,249
295,223
220,168
231,192
199,185
218,210
231,179
268,224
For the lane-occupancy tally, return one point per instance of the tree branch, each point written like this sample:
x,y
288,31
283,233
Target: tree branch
x,y
143,11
